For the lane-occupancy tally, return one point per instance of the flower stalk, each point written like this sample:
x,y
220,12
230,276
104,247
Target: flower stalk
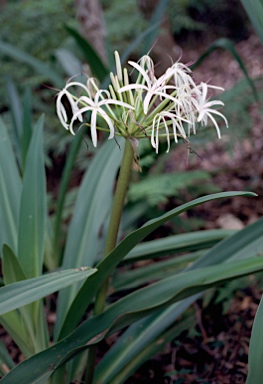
x,y
111,241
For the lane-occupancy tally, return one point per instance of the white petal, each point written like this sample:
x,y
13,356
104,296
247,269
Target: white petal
x,y
142,72
215,124
103,114
86,100
61,111
167,134
146,102
132,86
77,84
93,127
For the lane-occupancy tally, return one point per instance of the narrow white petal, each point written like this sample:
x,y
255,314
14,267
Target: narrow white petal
x,y
132,86
142,72
108,121
167,134
86,100
153,142
215,124
61,112
77,84
93,127
146,102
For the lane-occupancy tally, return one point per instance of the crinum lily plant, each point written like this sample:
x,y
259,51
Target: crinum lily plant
x,y
168,107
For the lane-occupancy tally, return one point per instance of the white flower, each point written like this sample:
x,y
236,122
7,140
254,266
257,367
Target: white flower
x,y
61,111
181,75
149,107
95,106
167,118
153,87
203,107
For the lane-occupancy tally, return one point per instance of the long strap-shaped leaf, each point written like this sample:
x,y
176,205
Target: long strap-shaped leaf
x,y
255,366
107,265
126,311
119,360
177,243
254,9
10,191
27,291
33,209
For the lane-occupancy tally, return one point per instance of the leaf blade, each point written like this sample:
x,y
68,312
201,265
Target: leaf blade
x,y
27,291
126,311
33,208
10,191
107,265
244,242
255,368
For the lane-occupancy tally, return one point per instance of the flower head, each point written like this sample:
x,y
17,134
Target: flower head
x,y
87,103
151,106
203,107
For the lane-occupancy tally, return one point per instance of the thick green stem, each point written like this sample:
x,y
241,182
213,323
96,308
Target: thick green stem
x,y
112,235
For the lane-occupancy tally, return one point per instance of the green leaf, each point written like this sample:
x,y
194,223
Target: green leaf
x,y
27,291
15,326
107,265
16,112
229,46
133,307
27,126
39,66
92,207
177,243
21,119
254,9
70,161
102,374
6,362
243,244
97,67
255,367
19,324
11,267
152,272
10,191
33,210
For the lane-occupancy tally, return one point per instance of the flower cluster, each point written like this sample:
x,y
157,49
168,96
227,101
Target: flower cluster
x,y
171,106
